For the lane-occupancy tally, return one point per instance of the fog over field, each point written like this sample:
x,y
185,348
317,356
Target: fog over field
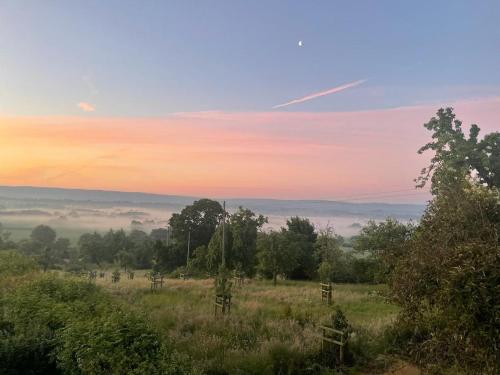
x,y
73,211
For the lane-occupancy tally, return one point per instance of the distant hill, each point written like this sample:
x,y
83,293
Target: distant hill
x,y
319,208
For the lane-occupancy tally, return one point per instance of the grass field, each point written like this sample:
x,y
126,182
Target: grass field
x,y
265,322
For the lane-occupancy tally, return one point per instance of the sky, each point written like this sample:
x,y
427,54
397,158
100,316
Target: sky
x,y
219,98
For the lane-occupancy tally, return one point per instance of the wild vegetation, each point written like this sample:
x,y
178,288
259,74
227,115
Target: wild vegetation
x,y
428,291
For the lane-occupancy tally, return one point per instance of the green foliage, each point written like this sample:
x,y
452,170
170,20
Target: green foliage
x,y
199,261
170,257
222,282
116,343
54,325
386,242
244,225
5,242
339,321
301,233
449,283
240,244
303,227
455,155
334,264
49,250
201,218
278,254
214,250
91,248
43,234
133,250
325,271
14,264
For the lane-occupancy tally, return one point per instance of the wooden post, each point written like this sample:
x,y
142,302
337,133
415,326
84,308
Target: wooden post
x,y
326,292
115,277
156,281
336,338
222,302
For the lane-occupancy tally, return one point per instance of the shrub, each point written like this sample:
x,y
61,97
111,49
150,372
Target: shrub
x,y
449,284
115,343
55,325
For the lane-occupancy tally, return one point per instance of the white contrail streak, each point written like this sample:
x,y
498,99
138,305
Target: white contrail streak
x,y
322,93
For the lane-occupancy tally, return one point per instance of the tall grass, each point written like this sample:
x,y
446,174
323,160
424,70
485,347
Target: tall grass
x,y
268,326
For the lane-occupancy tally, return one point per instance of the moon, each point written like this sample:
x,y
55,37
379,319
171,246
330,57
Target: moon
x,y
300,43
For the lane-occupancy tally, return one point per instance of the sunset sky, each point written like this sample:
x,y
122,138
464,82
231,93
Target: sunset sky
x,y
219,98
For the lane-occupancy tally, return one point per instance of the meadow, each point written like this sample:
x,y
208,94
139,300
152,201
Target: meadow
x,y
267,325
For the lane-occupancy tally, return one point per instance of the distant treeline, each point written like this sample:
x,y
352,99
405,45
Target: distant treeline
x,y
296,251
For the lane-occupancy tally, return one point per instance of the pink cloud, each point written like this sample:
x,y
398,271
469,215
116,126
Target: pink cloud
x,y
87,107
294,155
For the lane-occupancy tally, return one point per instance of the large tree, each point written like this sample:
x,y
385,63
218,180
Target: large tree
x,y
302,233
197,222
43,234
91,248
278,254
213,256
447,281
244,226
456,155
386,242
329,255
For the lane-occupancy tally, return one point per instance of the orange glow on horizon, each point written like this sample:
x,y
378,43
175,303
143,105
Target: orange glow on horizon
x,y
219,154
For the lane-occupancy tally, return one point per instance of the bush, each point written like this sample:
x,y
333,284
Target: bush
x,y
449,284
55,325
15,264
115,343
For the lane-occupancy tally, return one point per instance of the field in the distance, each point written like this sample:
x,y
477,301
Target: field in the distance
x,y
265,321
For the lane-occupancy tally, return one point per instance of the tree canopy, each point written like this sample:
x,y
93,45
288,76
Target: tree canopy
x,y
456,155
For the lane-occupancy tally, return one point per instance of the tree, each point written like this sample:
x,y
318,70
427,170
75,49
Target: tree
x,y
159,234
277,253
125,259
47,258
62,248
141,249
244,225
214,251
195,224
303,227
5,242
169,257
386,242
92,248
301,232
448,282
199,260
456,155
240,243
328,254
43,234
327,245
201,219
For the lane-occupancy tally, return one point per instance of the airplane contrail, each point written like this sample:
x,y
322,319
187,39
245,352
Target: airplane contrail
x,y
322,93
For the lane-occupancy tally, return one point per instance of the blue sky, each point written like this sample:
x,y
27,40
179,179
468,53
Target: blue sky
x,y
151,58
